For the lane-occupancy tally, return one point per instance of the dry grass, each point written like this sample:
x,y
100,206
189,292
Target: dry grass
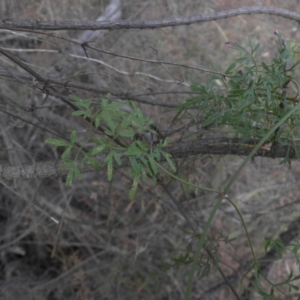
x,y
109,247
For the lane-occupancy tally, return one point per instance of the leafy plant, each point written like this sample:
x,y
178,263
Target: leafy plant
x,y
251,98
123,137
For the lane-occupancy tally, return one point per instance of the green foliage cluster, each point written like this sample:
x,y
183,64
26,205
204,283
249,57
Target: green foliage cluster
x,y
119,122
251,97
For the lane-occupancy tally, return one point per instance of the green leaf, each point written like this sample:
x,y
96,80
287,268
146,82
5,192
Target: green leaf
x,y
109,170
134,187
109,160
107,96
269,95
296,277
134,150
104,102
296,249
94,163
166,142
156,154
230,68
86,104
267,243
69,179
265,66
142,146
66,153
152,166
77,172
294,287
212,119
98,121
169,160
73,137
85,160
126,132
98,150
117,157
143,172
143,160
127,121
109,132
79,113
75,98
111,125
67,164
242,60
135,165
58,143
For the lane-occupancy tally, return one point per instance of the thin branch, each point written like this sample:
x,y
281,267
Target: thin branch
x,y
36,24
86,45
156,61
128,73
64,83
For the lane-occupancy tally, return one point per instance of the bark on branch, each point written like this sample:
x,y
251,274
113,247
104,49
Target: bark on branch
x,y
219,146
36,24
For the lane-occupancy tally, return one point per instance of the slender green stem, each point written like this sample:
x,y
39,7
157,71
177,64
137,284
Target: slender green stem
x,y
245,228
185,182
199,247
